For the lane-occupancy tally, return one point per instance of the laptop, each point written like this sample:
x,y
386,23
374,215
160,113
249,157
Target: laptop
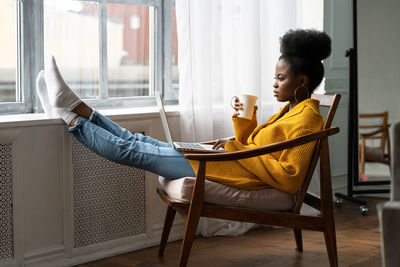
x,y
181,145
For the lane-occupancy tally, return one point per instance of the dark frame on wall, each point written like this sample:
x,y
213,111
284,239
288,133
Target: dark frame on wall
x,y
353,134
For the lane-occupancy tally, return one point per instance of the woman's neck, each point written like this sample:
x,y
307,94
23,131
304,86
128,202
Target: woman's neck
x,y
292,105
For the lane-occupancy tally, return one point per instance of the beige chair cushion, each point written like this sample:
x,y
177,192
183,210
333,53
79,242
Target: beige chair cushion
x,y
375,154
215,193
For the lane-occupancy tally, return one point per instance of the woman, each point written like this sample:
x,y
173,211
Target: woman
x,y
298,72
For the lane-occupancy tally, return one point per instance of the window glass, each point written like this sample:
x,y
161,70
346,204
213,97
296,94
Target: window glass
x,y
71,34
8,51
175,73
128,50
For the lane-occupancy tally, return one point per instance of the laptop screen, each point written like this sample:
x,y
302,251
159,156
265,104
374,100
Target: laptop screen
x,y
164,119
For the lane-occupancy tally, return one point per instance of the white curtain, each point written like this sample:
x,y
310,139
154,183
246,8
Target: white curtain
x,y
230,47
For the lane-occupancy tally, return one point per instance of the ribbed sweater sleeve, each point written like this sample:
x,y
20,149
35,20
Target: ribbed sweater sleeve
x,y
243,128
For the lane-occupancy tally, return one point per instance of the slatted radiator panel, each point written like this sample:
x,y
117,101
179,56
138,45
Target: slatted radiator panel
x,y
109,198
6,203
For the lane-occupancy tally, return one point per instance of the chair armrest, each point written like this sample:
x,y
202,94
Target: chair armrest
x,y
211,142
380,130
248,153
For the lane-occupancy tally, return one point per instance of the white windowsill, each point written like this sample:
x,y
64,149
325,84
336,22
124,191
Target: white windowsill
x,y
37,119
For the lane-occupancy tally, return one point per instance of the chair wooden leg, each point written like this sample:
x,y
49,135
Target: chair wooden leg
x,y
190,230
169,219
362,156
330,241
327,212
299,240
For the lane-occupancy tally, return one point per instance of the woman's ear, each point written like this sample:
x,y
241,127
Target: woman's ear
x,y
303,80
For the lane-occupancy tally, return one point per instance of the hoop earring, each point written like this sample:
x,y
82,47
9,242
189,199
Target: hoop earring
x,y
301,93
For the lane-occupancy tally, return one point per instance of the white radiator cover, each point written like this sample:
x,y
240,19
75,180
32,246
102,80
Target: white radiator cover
x,y
108,198
6,203
62,205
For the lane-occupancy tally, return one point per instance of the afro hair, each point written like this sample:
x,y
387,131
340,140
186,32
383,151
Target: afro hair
x,y
310,44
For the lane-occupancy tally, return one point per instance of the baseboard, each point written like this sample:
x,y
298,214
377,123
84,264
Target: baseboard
x,y
175,234
339,183
339,173
9,263
57,256
43,257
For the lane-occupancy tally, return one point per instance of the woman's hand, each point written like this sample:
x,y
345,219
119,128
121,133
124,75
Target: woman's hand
x,y
239,106
220,143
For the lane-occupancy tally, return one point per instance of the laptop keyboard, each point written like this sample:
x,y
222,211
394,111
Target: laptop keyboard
x,y
190,145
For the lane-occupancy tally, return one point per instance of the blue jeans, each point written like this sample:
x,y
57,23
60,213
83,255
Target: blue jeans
x,y
117,144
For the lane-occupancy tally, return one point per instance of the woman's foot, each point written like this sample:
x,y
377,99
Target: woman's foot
x,y
60,94
41,88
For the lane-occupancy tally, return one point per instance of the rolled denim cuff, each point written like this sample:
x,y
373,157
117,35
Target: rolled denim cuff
x,y
81,120
77,124
93,115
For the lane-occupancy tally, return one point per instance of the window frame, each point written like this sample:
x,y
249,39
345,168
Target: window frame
x,y
30,55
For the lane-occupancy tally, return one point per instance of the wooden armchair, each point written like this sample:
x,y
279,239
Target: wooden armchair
x,y
292,218
379,130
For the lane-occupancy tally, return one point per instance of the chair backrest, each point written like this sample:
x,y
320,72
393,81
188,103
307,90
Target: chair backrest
x,y
395,189
331,102
375,121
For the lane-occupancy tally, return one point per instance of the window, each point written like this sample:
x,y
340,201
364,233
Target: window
x,y
111,52
8,52
171,76
174,90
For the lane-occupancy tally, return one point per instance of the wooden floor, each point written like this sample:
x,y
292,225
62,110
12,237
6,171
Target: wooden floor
x,y
358,243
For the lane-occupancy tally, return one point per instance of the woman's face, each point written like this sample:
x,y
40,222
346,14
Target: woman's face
x,y
286,82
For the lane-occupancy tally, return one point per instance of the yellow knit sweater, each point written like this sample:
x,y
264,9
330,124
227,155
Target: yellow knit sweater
x,y
284,170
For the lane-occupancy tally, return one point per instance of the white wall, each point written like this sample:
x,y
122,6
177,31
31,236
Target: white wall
x,y
338,24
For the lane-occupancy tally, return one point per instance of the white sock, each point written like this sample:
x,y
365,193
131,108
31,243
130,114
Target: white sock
x,y
41,89
65,114
60,94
